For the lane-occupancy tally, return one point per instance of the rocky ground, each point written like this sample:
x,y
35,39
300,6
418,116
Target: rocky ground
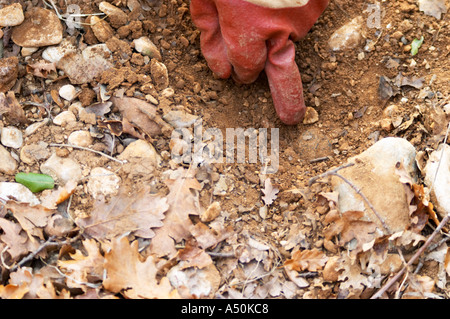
x,y
92,93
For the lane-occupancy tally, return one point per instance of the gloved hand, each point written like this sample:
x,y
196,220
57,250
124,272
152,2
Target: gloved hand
x,y
240,39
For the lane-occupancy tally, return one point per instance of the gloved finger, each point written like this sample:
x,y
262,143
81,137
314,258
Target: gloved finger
x,y
285,81
205,16
244,38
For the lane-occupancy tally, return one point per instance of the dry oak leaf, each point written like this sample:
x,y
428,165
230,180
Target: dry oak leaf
x,y
183,201
270,192
16,239
84,268
11,110
24,284
133,277
138,113
124,213
41,68
311,260
349,226
33,219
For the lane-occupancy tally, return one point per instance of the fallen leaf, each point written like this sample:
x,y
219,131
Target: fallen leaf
x,y
35,182
350,226
434,8
311,260
84,267
139,113
183,201
55,197
11,110
133,277
195,283
193,256
33,219
138,214
16,239
270,192
99,108
41,68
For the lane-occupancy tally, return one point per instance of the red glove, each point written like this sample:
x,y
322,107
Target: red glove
x,y
241,39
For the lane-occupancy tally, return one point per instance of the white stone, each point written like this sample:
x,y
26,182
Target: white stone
x,y
27,51
179,119
55,53
8,164
11,15
62,169
146,47
68,92
373,173
32,153
348,36
439,183
85,66
102,182
63,118
80,138
11,190
41,27
12,137
32,128
141,149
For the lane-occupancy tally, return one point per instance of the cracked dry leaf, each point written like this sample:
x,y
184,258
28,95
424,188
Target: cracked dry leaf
x,y
138,114
183,201
270,192
84,268
33,219
311,260
133,277
17,240
24,284
123,213
11,110
41,68
350,227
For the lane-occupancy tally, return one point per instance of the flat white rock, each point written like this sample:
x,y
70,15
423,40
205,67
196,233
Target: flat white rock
x,y
62,169
11,15
12,137
102,182
11,190
374,175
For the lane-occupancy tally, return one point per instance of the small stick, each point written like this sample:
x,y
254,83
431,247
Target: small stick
x,y
87,149
413,259
33,254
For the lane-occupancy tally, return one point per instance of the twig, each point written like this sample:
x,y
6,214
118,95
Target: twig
x,y
412,260
33,254
87,149
366,200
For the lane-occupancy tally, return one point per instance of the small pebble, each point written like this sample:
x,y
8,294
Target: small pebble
x,y
62,169
18,192
68,92
8,164
63,118
12,137
80,138
11,15
103,182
